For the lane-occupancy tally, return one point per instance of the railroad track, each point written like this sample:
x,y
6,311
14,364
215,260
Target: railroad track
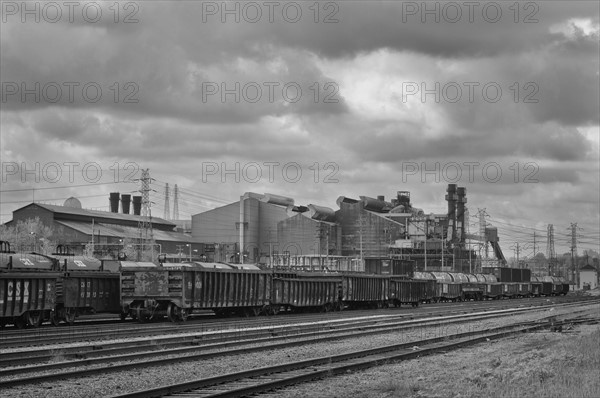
x,y
197,350
96,332
270,378
188,335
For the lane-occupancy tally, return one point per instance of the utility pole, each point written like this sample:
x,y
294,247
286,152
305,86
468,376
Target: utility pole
x,y
180,251
550,253
574,229
534,251
516,249
482,238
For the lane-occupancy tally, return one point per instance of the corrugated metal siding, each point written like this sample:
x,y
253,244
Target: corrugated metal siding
x,y
304,292
365,288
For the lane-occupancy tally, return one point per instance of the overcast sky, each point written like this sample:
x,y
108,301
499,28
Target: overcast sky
x,y
311,101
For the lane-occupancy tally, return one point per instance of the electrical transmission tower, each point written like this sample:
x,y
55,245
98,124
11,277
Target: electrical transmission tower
x,y
176,203
167,206
550,253
145,222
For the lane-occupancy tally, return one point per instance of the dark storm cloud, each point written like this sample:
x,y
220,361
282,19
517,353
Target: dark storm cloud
x,y
375,25
171,52
390,142
168,56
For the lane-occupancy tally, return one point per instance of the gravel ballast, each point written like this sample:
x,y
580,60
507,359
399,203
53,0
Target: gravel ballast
x,y
107,384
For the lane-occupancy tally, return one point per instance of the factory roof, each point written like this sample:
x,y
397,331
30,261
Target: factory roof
x,y
96,214
122,231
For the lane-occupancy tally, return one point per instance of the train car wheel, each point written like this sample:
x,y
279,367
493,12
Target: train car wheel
x,y
34,318
140,315
173,312
256,311
54,320
70,314
123,316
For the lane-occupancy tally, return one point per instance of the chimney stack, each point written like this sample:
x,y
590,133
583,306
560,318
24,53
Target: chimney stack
x,y
137,205
114,202
125,203
451,197
460,213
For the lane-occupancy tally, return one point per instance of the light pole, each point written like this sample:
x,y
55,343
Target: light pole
x,y
33,236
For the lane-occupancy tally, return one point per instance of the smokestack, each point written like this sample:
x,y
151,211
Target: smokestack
x,y
381,197
460,213
404,198
114,202
125,203
451,197
137,205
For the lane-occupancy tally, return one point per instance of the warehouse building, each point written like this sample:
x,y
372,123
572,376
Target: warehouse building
x,y
109,233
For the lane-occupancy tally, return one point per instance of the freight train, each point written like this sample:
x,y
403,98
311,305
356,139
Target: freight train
x,y
177,290
36,288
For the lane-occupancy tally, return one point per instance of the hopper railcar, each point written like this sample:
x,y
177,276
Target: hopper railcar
x,y
65,286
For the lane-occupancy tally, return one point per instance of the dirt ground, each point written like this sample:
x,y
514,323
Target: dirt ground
x,y
542,364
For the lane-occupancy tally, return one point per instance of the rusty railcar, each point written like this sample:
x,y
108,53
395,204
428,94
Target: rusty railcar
x,y
510,289
365,291
27,298
86,292
549,286
84,288
431,287
177,290
493,288
556,283
447,289
410,291
472,287
524,289
321,294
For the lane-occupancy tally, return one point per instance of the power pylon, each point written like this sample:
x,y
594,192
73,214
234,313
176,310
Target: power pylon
x,y
176,203
167,206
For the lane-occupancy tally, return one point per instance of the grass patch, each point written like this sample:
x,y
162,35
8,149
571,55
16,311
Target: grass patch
x,y
567,368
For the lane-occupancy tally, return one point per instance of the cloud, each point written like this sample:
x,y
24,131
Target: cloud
x,y
179,90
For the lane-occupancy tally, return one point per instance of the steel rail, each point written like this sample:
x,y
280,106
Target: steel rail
x,y
161,361
273,377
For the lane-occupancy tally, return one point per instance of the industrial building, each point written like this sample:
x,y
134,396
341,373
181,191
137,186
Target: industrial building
x,y
109,233
273,230
250,223
588,278
365,234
